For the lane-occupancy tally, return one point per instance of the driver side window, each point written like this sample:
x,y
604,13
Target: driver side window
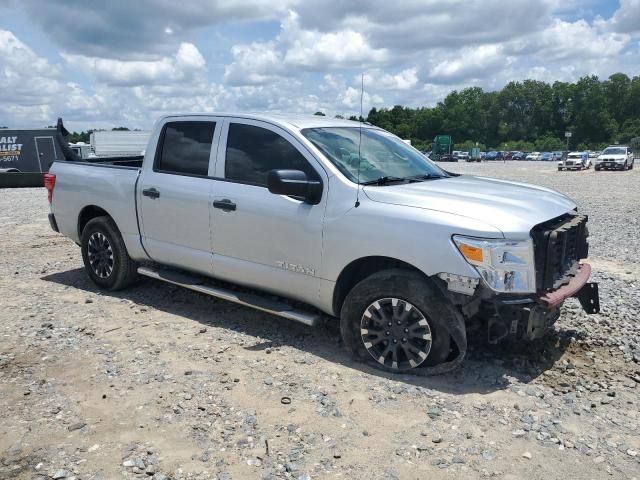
x,y
253,151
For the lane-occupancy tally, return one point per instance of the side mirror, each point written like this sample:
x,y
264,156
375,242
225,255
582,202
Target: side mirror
x,y
294,183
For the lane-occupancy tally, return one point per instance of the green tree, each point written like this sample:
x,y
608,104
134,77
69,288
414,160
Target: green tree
x,y
525,115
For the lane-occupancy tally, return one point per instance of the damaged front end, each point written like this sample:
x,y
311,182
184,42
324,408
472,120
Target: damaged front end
x,y
558,247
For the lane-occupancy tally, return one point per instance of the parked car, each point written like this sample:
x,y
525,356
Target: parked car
x,y
293,207
615,157
533,156
494,155
575,161
464,156
518,156
546,157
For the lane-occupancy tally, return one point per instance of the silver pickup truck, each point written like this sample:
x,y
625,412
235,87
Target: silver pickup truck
x,y
306,216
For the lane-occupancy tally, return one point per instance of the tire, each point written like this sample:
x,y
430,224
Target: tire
x,y
105,256
396,292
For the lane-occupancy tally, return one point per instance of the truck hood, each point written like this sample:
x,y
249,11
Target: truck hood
x,y
511,207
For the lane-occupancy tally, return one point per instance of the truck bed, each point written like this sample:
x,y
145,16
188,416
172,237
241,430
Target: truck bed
x,y
110,184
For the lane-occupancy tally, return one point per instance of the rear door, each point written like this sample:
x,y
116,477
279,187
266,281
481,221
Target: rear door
x,y
174,194
46,152
269,241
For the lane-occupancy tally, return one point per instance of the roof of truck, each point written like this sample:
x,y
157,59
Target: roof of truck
x,y
295,120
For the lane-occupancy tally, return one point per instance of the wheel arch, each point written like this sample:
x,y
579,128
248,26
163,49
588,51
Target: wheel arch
x,y
361,268
88,213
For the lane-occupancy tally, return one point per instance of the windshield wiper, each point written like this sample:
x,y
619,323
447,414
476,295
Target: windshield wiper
x,y
426,176
387,179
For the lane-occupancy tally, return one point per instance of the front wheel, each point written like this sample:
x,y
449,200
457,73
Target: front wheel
x,y
105,255
397,320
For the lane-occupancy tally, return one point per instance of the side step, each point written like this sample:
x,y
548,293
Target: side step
x,y
199,284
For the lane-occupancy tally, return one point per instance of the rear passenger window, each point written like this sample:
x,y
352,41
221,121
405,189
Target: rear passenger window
x,y
253,151
186,147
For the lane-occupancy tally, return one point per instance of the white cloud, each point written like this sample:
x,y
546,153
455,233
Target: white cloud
x,y
575,41
182,66
405,80
627,18
254,64
28,83
23,73
296,50
140,30
420,25
318,50
468,63
350,99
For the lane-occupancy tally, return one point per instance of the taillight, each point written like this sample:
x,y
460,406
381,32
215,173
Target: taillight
x,y
49,183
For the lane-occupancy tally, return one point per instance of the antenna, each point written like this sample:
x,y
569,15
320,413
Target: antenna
x,y
361,119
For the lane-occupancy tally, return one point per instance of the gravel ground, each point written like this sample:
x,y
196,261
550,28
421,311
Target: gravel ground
x,y
164,383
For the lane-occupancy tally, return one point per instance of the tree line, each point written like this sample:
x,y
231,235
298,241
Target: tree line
x,y
528,115
76,137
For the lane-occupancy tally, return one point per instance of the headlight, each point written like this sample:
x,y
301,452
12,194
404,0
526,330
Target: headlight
x,y
504,265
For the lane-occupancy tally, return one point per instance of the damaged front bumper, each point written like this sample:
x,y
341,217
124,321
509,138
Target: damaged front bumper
x,y
530,317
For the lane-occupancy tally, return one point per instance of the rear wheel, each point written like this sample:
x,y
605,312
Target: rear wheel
x,y
105,256
397,320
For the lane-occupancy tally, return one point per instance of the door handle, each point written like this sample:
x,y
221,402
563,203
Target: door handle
x,y
151,193
225,204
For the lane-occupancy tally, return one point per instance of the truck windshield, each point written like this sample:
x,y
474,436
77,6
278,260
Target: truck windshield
x,y
614,151
382,155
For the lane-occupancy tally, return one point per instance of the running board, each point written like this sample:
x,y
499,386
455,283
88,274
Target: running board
x,y
194,282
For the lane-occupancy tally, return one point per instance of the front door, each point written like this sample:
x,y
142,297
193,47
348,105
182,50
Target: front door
x,y
46,152
261,239
174,195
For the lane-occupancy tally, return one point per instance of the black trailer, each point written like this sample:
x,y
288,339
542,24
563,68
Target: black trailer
x,y
25,155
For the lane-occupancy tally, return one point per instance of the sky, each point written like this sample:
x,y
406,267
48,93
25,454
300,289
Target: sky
x,y
101,64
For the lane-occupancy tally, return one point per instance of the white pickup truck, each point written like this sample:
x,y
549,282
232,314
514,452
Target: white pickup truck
x,y
332,217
